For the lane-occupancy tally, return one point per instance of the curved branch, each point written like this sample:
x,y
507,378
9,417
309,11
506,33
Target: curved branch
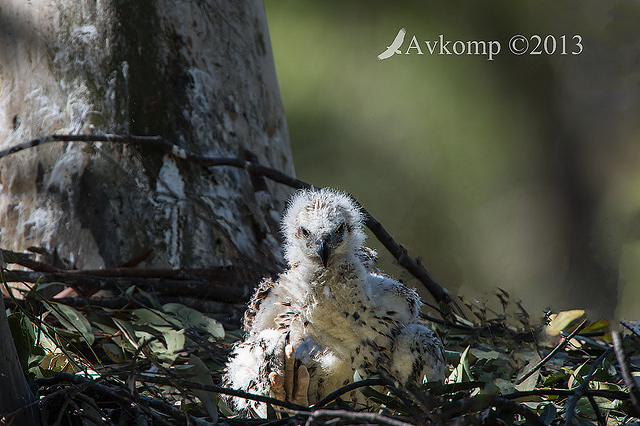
x,y
475,404
121,395
580,390
354,417
629,380
619,395
553,352
347,388
158,142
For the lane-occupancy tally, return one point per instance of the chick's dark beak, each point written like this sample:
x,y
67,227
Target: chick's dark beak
x,y
324,250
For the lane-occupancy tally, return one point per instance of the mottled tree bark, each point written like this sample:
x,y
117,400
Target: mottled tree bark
x,y
199,73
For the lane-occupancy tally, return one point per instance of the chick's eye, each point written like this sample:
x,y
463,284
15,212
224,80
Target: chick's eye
x,y
340,229
304,232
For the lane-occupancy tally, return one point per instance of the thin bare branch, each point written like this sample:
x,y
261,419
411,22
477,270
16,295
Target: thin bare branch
x,y
346,389
163,145
219,389
354,417
619,395
121,395
596,409
580,390
631,327
553,352
629,380
26,260
216,285
471,405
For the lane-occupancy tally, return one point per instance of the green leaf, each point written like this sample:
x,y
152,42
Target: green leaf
x,y
452,387
129,292
56,362
191,318
376,396
200,373
562,320
462,372
555,377
532,380
548,413
114,352
601,325
153,318
152,300
73,321
503,386
224,408
21,331
128,334
487,354
577,375
175,342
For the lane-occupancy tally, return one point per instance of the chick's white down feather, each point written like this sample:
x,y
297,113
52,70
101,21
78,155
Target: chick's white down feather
x,y
339,316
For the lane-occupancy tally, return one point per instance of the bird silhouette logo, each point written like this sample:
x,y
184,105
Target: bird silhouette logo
x,y
393,48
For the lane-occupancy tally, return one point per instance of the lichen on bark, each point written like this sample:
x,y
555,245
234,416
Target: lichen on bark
x,y
200,74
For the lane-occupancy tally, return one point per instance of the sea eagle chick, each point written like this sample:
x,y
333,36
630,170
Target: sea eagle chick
x,y
329,313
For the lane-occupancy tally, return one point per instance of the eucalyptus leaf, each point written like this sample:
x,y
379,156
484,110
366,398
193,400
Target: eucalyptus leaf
x,y
114,352
191,318
73,321
20,327
577,375
461,373
199,373
562,320
548,414
175,342
153,318
532,380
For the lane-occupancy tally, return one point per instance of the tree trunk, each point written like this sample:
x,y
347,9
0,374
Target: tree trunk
x,y
14,390
201,74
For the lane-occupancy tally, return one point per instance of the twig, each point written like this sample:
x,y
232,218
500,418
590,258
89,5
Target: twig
x,y
90,401
226,313
478,403
8,418
407,400
633,328
619,395
410,397
24,259
219,389
158,142
346,389
446,323
122,396
596,409
629,380
53,381
354,417
580,390
530,417
207,287
404,260
553,352
68,397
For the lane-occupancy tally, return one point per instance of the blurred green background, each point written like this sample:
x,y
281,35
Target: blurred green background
x,y
520,173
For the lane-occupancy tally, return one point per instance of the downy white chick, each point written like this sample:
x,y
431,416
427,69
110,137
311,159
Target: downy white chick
x,y
336,314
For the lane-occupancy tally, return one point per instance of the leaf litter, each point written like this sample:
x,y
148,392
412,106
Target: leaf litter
x,y
153,363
